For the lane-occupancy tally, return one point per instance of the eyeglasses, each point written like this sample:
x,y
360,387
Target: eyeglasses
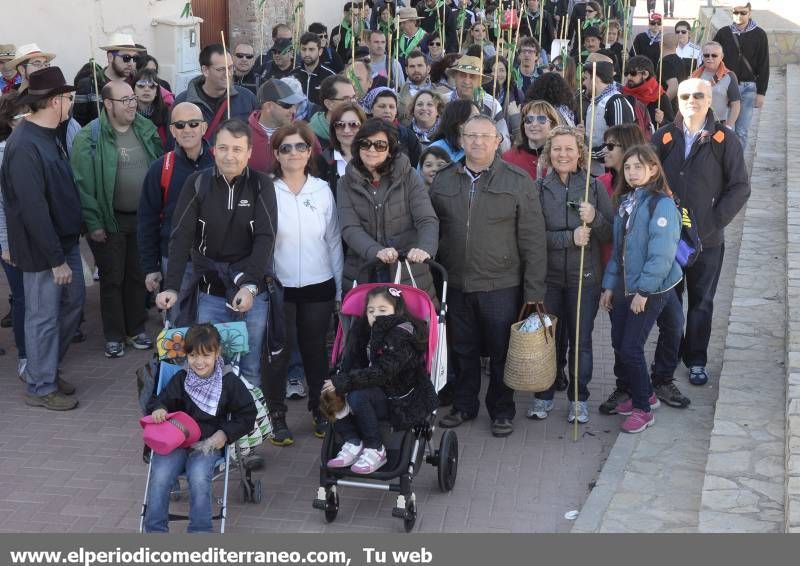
x,y
435,44
655,23
610,146
247,56
284,105
711,55
322,35
527,51
126,58
352,99
38,64
145,84
477,137
695,95
299,147
346,125
379,145
632,73
181,124
682,31
740,12
534,118
554,67
127,101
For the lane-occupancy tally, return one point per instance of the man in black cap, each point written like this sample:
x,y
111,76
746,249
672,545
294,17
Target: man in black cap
x,y
43,211
282,63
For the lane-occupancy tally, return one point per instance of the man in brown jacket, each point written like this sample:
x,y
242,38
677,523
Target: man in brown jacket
x,y
492,243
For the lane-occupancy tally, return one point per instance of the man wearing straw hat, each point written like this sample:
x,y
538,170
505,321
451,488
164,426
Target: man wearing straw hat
x,y
121,57
29,59
413,37
9,77
43,211
467,75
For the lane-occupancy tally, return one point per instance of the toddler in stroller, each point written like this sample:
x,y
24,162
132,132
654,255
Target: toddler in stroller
x,y
382,376
224,410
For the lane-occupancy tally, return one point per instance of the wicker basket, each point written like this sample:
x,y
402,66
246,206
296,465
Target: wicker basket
x,y
531,359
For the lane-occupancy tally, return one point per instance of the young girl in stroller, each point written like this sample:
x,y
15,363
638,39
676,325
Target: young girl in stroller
x,y
382,376
224,410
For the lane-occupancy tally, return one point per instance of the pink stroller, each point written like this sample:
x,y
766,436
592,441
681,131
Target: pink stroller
x,y
407,448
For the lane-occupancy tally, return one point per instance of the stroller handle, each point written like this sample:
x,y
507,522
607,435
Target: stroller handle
x,y
373,264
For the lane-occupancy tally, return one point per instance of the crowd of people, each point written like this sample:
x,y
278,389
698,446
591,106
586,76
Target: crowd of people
x,y
409,132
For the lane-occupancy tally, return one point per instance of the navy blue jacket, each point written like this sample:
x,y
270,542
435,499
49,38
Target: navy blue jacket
x,y
43,207
243,102
155,217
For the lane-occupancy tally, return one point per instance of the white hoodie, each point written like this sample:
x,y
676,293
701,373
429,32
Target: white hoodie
x,y
308,246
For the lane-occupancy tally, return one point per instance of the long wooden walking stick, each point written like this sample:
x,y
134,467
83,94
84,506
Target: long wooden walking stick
x,y
626,15
580,69
541,23
227,77
496,52
512,53
608,28
660,67
576,345
94,72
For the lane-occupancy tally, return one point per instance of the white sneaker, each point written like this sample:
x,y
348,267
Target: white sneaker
x,y
582,410
346,456
296,389
371,459
539,408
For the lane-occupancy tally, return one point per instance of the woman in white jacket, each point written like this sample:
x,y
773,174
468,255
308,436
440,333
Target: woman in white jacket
x,y
308,262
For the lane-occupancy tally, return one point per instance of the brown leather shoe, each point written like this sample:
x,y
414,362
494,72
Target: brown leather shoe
x,y
55,401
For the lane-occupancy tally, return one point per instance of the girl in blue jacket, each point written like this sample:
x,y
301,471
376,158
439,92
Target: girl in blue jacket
x,y
640,275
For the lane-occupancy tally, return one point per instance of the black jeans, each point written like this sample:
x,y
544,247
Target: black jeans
x,y
563,303
367,408
670,330
482,321
629,333
122,291
306,328
700,282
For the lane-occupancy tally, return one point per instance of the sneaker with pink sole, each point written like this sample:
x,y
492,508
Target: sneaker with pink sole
x,y
346,456
371,459
638,421
626,407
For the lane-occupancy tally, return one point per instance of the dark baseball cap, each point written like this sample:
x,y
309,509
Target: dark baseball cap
x,y
282,45
275,90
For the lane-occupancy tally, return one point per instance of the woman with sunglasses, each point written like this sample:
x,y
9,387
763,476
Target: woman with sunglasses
x,y
538,118
435,48
572,223
308,262
346,120
385,210
152,102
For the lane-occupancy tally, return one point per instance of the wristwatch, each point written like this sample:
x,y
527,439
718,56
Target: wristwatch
x,y
252,288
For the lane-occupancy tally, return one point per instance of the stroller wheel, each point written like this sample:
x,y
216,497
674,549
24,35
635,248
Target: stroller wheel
x,y
411,515
257,492
448,461
331,505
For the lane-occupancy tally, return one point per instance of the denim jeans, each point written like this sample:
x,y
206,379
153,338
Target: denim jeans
x,y
747,91
14,277
701,285
563,303
211,308
122,291
670,331
306,329
481,321
165,470
367,408
52,315
629,333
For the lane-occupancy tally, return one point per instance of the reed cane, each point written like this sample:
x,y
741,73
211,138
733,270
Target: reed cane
x,y
227,77
580,68
608,18
660,67
94,72
389,63
511,56
576,344
496,51
626,15
541,23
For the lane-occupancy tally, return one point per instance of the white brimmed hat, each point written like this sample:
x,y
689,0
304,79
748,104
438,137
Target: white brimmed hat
x,y
28,51
121,41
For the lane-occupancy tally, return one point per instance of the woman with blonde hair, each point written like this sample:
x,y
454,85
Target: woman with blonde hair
x,y
572,223
538,118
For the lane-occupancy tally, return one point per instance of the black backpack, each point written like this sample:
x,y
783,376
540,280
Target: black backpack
x,y
689,245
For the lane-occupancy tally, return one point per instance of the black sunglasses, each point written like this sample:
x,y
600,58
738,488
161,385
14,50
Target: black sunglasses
x,y
342,125
695,95
632,73
181,124
299,147
379,145
284,105
740,13
126,58
247,56
611,145
682,31
711,55
435,43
